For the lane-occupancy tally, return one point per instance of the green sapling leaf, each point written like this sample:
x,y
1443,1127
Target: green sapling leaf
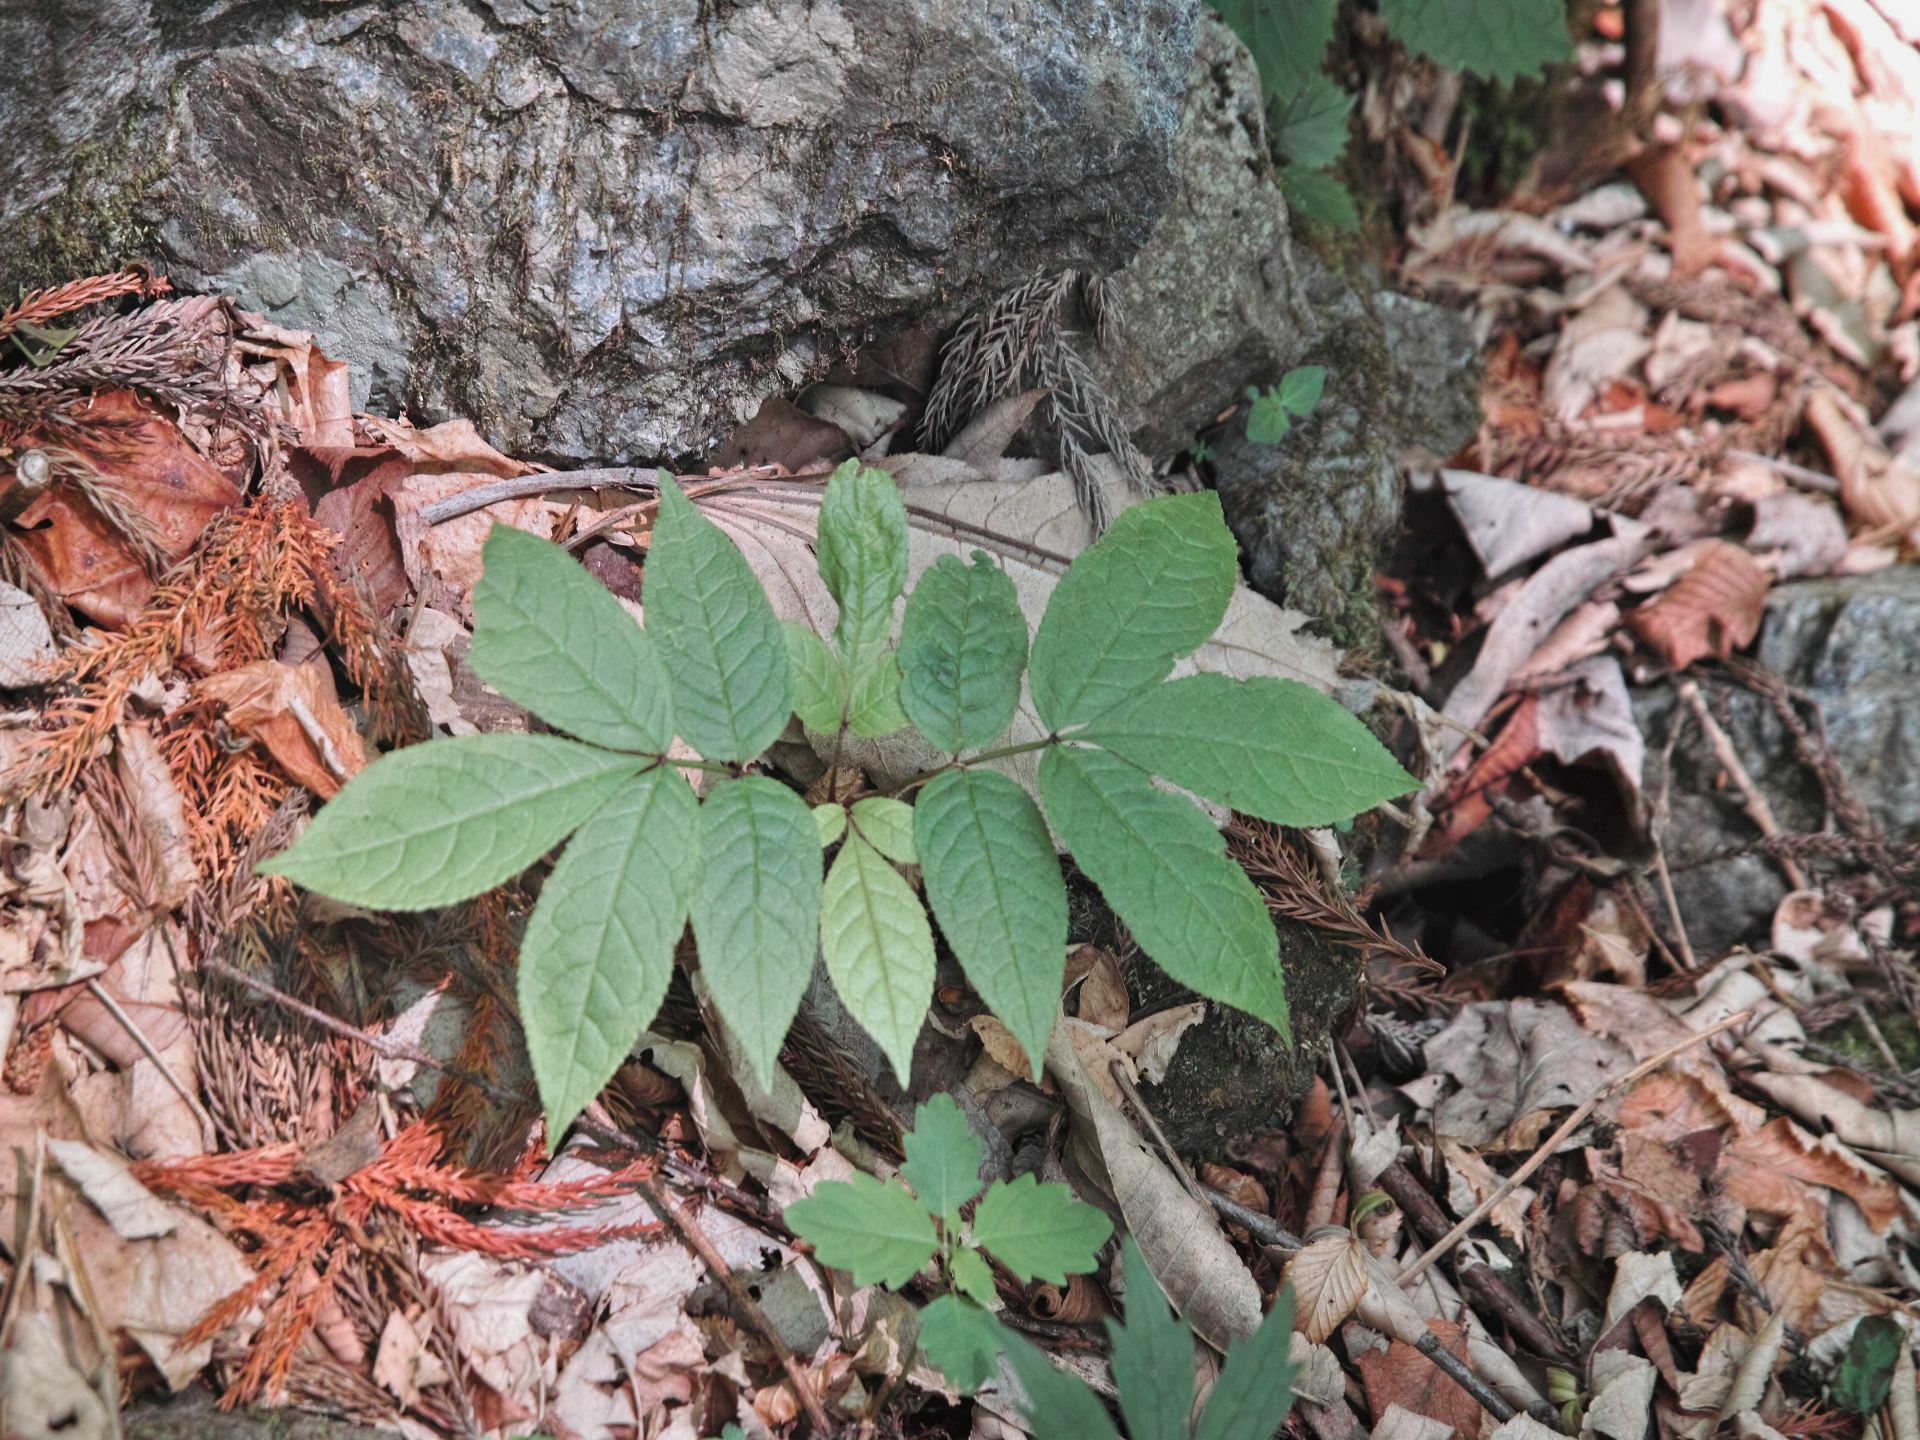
x,y
963,645
878,948
1152,1355
1499,39
1039,1231
943,1157
1255,1388
875,1230
963,1341
973,1276
820,690
832,820
1301,388
887,825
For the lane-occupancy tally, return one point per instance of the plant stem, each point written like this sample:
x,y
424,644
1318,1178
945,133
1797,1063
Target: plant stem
x,y
1026,747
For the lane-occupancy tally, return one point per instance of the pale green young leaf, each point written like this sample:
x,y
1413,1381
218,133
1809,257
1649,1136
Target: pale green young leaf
x,y
874,1229
599,946
993,880
1302,387
1499,39
1152,1356
1150,590
1163,867
548,636
1310,126
878,948
1058,1404
962,1340
832,820
863,558
1290,754
732,687
756,915
973,1276
943,1157
963,644
1255,1389
451,819
819,680
1268,421
1039,1231
887,825
1319,196
873,706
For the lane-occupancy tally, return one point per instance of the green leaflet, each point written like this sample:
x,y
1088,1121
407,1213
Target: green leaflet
x,y
1150,590
972,1275
994,883
819,680
863,558
717,634
1311,125
943,1157
873,708
1288,40
887,825
963,645
878,948
756,914
548,636
962,1340
874,1229
1865,1376
449,820
1163,867
1152,1356
1272,748
599,946
1255,1388
832,822
1500,39
1039,1231
1316,195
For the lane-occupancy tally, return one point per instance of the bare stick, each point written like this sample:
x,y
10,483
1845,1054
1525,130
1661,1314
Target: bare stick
x,y
205,1121
666,1204
1799,474
1167,1152
1572,1123
634,477
1756,806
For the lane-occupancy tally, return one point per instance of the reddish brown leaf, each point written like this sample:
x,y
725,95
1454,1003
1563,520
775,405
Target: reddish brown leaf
x,y
1469,800
294,713
1401,1375
1714,609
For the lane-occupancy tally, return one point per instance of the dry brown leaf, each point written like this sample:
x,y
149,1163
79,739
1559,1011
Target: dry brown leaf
x,y
1878,490
1102,992
1328,1277
1516,1061
1712,610
133,1211
1508,523
1401,1376
781,433
26,641
294,712
1150,1043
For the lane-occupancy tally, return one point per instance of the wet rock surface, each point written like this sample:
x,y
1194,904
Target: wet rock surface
x,y
603,229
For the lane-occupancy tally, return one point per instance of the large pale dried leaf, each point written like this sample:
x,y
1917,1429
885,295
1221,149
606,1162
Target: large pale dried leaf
x,y
1515,1060
1712,610
1587,713
47,1398
1773,1167
1598,345
160,816
1328,1277
1622,1396
1888,1137
1878,490
1508,523
1396,1423
104,1178
1640,1276
26,642
293,711
1756,1369
1802,534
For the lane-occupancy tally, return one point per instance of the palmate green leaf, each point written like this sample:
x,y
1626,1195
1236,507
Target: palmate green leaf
x,y
973,1276
1289,753
1150,590
1255,1389
993,880
819,680
1163,868
962,1340
1058,1404
1499,39
599,946
1268,421
716,630
449,820
863,558
1311,126
878,947
1288,40
1152,1356
550,637
756,915
963,644
1319,196
1039,1231
874,1229
887,825
943,1157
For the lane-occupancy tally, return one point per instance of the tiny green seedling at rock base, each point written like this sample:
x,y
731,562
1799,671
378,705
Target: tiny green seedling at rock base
x,y
1276,408
747,864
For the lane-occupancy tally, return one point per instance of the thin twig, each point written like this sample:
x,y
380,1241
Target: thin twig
x,y
1264,1229
523,486
1547,1147
207,1130
1799,474
696,1240
1168,1153
1756,805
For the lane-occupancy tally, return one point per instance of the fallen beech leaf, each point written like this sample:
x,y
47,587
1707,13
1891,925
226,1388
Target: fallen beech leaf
x,y
104,1178
1639,1276
1508,523
293,712
781,433
1665,175
1328,1277
1150,1043
1804,534
1598,345
1712,610
1401,1376
1516,1060
1469,799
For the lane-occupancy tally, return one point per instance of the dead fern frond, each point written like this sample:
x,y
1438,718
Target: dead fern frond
x,y
41,307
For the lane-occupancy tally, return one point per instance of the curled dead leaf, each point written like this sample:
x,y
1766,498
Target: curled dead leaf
x,y
1712,610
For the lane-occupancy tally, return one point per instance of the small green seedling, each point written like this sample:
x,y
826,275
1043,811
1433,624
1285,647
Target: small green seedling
x,y
1276,408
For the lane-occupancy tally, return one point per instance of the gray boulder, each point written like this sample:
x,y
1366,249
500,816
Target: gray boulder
x,y
604,229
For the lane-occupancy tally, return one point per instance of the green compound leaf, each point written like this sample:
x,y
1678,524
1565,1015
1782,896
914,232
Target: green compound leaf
x,y
1316,195
1311,127
756,915
1288,39
1163,867
994,882
1499,39
863,558
876,1230
1291,754
1039,1231
943,1157
819,681
973,1276
962,1340
887,825
449,820
1150,590
873,709
878,948
548,636
1255,1388
717,633
1302,387
1866,1374
963,645
1057,1403
832,821
1152,1355
599,946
